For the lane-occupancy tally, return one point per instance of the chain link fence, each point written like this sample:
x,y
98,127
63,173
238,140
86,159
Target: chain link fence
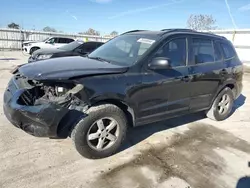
x,y
12,39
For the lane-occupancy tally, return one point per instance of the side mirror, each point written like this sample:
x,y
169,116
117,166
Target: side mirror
x,y
160,63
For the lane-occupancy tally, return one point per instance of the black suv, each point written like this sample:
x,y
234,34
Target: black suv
x,y
137,78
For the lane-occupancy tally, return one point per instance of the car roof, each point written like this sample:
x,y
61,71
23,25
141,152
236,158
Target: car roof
x,y
94,42
62,37
165,32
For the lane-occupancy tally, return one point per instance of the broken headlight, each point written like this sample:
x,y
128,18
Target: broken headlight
x,y
40,57
60,90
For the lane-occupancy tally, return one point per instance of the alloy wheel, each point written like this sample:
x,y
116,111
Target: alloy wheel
x,y
224,104
103,133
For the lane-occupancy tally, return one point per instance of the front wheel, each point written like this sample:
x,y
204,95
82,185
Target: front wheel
x,y
101,132
222,105
32,50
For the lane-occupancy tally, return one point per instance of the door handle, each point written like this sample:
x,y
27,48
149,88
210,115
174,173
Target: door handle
x,y
185,78
223,72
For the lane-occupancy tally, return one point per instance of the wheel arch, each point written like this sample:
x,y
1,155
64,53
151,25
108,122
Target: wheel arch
x,y
128,111
33,48
72,117
229,83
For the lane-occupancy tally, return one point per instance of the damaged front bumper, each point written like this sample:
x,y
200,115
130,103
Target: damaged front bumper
x,y
41,120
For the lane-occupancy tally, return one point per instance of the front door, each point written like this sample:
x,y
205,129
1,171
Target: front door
x,y
166,91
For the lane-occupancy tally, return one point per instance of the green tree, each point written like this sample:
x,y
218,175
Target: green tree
x,y
13,26
49,29
114,33
90,31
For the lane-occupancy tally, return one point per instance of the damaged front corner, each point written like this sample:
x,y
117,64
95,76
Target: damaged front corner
x,y
39,109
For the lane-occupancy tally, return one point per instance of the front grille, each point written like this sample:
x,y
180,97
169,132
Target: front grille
x,y
26,98
19,82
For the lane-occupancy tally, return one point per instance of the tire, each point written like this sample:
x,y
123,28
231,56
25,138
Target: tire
x,y
80,133
216,111
33,49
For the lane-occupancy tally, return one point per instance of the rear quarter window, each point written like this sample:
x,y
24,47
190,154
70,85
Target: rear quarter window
x,y
217,52
228,51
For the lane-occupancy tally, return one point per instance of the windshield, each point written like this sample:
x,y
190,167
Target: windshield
x,y
71,46
124,50
45,39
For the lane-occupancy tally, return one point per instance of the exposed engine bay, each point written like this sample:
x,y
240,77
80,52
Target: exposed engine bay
x,y
39,93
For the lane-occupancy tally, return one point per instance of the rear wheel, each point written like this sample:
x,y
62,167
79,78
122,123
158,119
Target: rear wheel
x,y
33,49
101,133
222,105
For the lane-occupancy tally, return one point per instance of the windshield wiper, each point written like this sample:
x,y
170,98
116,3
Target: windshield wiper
x,y
98,58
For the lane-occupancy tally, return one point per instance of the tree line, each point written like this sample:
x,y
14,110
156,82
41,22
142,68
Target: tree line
x,y
90,31
195,22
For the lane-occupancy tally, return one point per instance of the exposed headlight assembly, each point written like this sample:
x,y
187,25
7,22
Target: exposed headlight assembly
x,y
40,57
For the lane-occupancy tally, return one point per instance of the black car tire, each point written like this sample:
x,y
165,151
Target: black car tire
x,y
33,49
80,132
214,112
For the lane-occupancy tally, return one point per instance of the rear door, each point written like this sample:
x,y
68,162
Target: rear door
x,y
63,41
206,69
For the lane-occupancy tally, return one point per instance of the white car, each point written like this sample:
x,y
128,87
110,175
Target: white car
x,y
51,42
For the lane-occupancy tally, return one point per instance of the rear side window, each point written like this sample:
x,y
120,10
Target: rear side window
x,y
228,51
99,44
203,50
88,47
65,40
69,40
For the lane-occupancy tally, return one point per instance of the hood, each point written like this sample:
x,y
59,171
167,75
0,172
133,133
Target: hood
x,y
36,43
27,42
68,67
46,51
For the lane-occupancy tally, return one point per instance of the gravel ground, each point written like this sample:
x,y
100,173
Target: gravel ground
x,y
190,151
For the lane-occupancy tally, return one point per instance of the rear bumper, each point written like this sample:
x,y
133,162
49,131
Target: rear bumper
x,y
40,120
239,88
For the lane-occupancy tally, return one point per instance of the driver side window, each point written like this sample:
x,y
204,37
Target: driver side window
x,y
175,50
52,40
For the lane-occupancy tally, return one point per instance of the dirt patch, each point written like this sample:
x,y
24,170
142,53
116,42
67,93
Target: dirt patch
x,y
191,157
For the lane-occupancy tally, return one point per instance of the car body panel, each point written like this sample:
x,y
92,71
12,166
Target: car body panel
x,y
68,67
46,51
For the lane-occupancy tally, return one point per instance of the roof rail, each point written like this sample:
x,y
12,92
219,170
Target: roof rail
x,y
132,31
171,30
211,33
